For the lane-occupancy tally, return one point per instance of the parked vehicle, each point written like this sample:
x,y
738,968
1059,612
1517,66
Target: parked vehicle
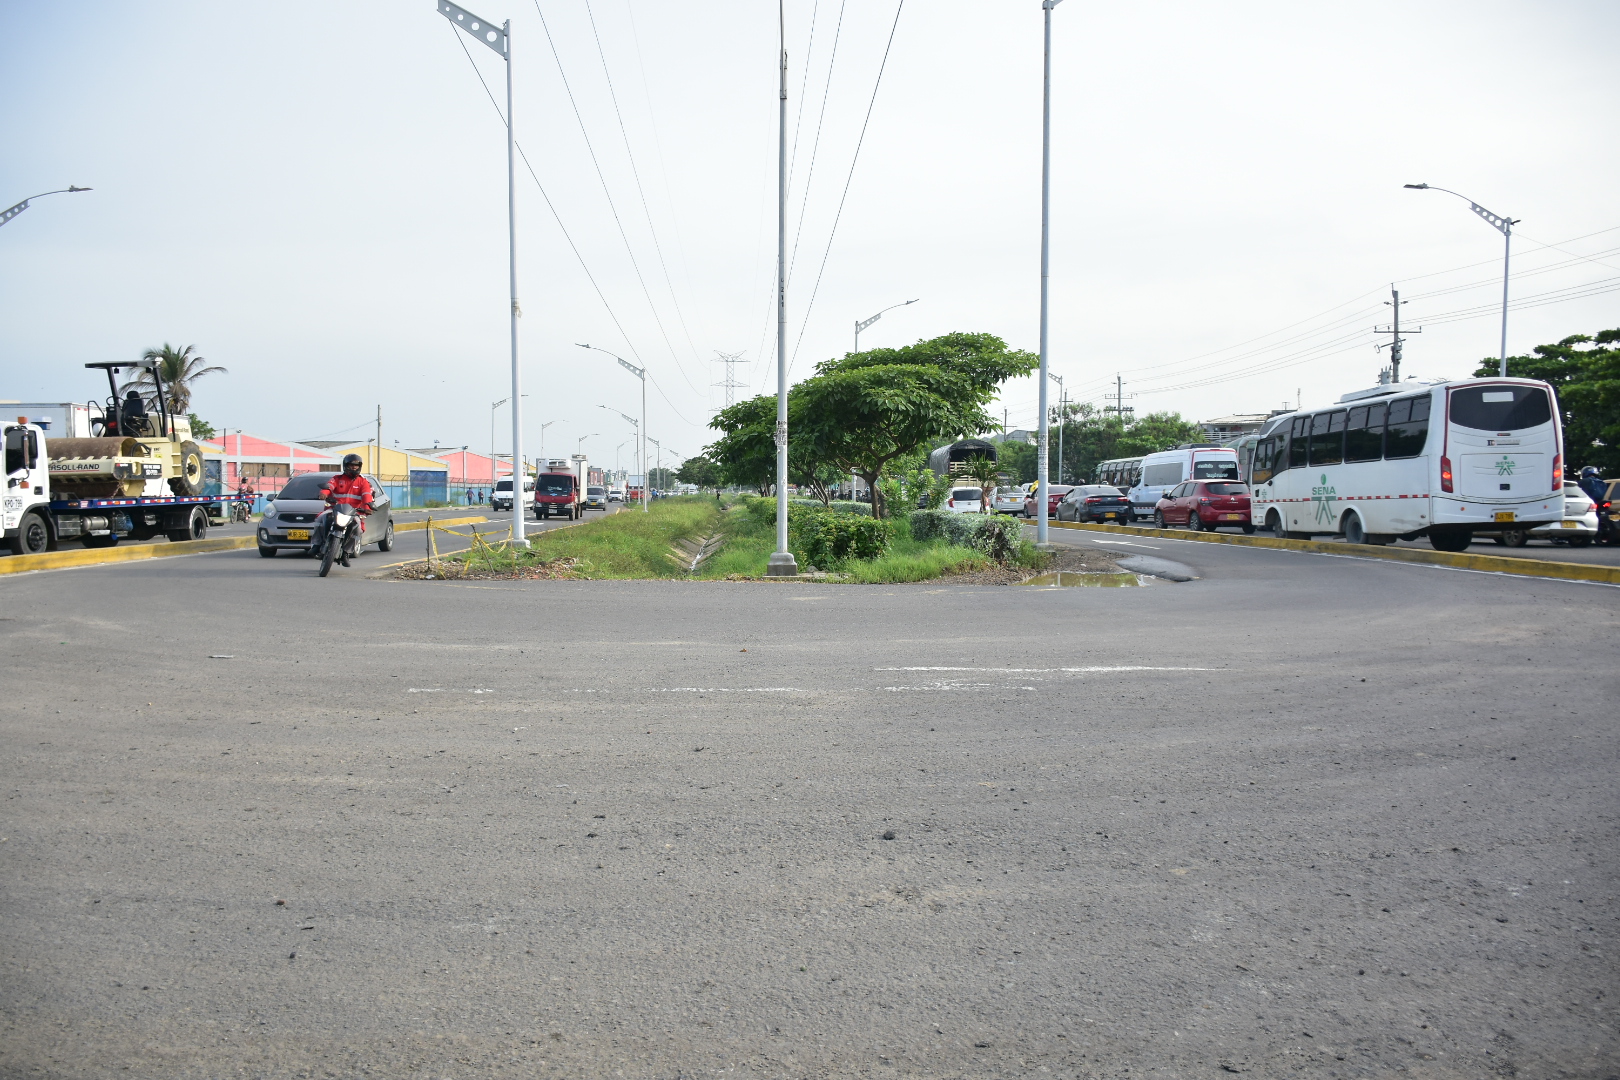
x,y
1093,502
965,500
1009,500
557,493
1373,468
98,490
501,497
1205,504
1578,527
596,498
292,521
1054,495
1164,470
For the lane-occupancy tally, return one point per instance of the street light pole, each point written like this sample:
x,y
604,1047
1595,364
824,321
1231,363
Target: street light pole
x,y
1505,227
12,211
782,563
862,324
1063,401
543,427
641,428
492,477
500,42
1045,433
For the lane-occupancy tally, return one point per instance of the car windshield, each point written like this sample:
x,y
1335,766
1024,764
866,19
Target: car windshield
x,y
555,484
966,494
306,486
595,492
1227,489
503,485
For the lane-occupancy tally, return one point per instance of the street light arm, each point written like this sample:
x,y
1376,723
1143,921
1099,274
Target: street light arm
x,y
864,323
12,211
1498,222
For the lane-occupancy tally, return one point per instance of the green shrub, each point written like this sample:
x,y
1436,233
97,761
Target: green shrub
x,y
993,534
928,524
824,538
837,506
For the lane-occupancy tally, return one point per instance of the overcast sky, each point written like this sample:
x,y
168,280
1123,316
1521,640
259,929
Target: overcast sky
x,y
314,195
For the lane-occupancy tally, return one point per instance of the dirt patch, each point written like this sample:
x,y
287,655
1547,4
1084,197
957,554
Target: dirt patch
x,y
1073,560
561,569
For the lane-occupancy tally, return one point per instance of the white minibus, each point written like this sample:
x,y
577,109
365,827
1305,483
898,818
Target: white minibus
x,y
1162,471
1122,473
1419,458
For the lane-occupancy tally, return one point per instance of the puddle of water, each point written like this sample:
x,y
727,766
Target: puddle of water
x,y
1070,578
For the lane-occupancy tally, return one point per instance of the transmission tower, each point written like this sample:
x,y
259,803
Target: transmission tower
x,y
730,360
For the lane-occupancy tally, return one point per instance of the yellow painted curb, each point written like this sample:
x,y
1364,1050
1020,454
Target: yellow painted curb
x,y
62,560
1491,564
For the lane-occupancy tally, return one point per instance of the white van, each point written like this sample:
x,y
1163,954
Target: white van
x,y
1164,470
501,497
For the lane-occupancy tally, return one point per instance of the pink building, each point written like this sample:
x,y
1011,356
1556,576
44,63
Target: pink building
x,y
264,463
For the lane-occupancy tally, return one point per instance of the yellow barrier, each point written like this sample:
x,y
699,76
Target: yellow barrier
x,y
62,560
1493,564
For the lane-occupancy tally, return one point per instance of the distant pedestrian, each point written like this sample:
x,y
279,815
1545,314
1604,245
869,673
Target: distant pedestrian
x,y
469,496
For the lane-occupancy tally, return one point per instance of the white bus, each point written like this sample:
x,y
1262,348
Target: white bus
x,y
1122,473
1162,471
1421,458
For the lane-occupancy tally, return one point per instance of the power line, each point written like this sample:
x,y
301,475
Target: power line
x,y
847,181
810,174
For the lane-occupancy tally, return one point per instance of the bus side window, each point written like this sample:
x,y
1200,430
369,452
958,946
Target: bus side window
x,y
1364,433
1297,445
1408,427
1327,438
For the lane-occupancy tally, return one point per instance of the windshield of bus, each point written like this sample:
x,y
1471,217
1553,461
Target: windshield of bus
x,y
1215,470
1227,489
1500,408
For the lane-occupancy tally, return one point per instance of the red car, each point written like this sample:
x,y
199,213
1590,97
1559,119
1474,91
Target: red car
x,y
1054,495
1205,504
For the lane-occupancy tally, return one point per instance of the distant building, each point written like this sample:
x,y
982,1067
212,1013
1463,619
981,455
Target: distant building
x,y
1022,435
1226,428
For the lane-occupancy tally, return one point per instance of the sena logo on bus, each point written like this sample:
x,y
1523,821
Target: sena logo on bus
x,y
1323,496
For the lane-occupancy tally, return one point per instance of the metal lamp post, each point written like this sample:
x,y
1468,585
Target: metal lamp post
x,y
1063,400
500,42
12,211
1505,227
1045,433
543,427
862,324
782,563
640,373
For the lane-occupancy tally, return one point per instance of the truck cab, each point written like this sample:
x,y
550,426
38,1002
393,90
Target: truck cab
x,y
28,486
556,493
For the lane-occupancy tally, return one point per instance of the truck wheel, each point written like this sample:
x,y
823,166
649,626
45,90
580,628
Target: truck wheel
x,y
191,479
196,527
33,536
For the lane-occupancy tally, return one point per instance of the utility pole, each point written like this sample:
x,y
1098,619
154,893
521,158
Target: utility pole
x,y
1063,401
1395,336
1044,435
729,381
377,468
782,563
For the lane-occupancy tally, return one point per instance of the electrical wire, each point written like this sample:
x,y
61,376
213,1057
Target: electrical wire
x,y
821,119
854,159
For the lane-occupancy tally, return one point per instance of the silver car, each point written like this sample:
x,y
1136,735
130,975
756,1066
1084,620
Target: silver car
x,y
1578,528
1009,500
289,522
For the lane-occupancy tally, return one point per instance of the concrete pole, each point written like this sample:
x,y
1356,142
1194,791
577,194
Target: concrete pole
x,y
782,563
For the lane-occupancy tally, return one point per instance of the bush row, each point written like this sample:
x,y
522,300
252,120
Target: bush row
x,y
996,535
828,538
836,506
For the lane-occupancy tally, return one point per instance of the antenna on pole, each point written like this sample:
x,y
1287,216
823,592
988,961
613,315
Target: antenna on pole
x,y
1392,374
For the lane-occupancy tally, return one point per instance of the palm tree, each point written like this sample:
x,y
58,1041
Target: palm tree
x,y
178,368
983,469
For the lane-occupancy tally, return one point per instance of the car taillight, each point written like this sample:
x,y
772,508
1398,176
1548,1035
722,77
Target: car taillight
x,y
1445,473
1094,499
1558,472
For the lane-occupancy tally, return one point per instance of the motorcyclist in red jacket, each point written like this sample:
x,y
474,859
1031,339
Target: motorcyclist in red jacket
x,y
351,489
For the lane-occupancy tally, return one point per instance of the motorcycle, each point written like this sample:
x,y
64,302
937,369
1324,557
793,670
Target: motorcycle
x,y
338,536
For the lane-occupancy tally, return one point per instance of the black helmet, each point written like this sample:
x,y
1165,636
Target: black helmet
x,y
351,459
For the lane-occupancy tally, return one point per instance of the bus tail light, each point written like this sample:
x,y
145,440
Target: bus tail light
x,y
1445,473
1558,472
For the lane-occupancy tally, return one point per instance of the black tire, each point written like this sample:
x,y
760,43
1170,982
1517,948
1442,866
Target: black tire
x,y
33,536
387,541
1499,541
267,553
196,527
1515,537
110,540
1451,541
333,543
1274,524
1196,523
1158,519
1248,528
1354,532
191,478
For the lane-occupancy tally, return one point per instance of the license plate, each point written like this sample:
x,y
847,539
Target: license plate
x,y
1110,515
298,534
1572,524
1231,517
1505,515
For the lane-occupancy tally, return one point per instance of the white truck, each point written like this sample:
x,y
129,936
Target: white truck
x,y
131,475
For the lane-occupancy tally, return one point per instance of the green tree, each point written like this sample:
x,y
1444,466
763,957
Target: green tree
x,y
985,472
865,410
1587,381
745,453
179,369
1017,460
662,479
700,472
200,429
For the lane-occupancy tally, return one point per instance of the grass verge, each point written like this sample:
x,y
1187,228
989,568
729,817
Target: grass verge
x,y
629,544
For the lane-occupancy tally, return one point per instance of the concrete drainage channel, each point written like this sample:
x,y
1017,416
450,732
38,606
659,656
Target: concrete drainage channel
x,y
691,552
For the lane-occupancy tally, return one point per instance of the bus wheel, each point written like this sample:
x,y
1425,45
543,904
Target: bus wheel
x,y
1451,541
1274,523
1353,532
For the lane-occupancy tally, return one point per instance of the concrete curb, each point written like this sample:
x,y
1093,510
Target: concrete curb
x,y
63,560
1490,564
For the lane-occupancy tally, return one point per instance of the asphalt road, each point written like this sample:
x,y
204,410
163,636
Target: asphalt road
x,y
1304,815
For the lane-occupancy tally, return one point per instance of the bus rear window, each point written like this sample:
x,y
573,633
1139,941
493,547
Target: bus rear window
x,y
1500,408
1215,470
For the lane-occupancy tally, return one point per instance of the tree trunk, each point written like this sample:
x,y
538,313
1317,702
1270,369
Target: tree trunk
x,y
880,505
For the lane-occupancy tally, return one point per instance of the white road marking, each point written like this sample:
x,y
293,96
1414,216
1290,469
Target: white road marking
x,y
1032,670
